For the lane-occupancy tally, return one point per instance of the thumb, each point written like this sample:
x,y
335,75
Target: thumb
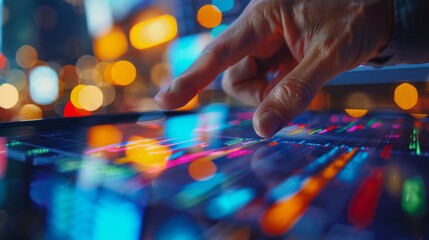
x,y
292,95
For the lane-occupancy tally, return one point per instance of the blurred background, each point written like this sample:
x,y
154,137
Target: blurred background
x,y
65,58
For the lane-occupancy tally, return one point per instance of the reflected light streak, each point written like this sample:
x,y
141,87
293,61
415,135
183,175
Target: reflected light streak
x,y
283,215
414,197
362,207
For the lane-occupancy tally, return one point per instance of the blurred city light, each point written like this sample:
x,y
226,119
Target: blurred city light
x,y
123,73
153,32
26,56
406,96
111,45
44,86
30,112
209,16
9,96
99,16
90,98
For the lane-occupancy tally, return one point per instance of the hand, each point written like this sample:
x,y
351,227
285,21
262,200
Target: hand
x,y
304,43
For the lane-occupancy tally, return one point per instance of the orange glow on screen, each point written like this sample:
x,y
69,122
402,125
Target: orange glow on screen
x,y
153,32
202,169
148,155
103,135
209,16
356,113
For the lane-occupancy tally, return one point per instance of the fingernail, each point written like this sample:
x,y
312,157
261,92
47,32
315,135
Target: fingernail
x,y
269,124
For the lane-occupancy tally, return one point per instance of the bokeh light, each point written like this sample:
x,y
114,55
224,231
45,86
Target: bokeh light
x,y
356,113
109,94
26,56
71,111
103,135
419,115
406,96
123,73
30,112
153,32
9,96
209,16
68,74
74,95
111,45
160,75
44,86
90,98
359,100
3,60
202,169
17,78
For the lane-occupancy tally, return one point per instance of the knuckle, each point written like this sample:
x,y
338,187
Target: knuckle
x,y
294,93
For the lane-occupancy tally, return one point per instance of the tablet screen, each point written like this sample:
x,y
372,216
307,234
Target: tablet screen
x,y
206,175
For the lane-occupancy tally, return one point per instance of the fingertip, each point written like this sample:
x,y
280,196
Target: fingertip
x,y
267,123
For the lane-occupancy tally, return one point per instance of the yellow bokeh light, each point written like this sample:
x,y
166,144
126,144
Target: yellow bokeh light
x,y
26,56
123,73
111,45
74,95
406,96
30,112
9,96
153,32
103,135
209,16
357,113
90,98
148,155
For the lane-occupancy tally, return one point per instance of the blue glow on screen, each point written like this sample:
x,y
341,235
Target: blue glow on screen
x,y
116,218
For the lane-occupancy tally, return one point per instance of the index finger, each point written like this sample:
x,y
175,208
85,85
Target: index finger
x,y
224,51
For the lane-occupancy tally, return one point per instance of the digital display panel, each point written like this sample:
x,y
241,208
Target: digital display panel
x,y
206,175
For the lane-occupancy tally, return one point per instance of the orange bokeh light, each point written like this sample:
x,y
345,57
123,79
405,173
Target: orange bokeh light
x,y
209,16
103,135
202,169
153,32
356,113
111,45
123,73
406,96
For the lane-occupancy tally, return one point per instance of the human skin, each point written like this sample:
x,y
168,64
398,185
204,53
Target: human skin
x,y
304,42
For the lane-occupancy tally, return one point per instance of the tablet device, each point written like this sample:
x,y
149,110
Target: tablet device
x,y
207,175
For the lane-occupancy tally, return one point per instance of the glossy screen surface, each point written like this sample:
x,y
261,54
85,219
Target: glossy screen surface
x,y
207,175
